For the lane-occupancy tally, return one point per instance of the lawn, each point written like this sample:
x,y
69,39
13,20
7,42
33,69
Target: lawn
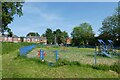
x,y
19,67
82,55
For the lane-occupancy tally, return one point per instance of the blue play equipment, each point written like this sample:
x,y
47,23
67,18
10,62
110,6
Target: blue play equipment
x,y
110,46
56,55
24,50
42,54
103,48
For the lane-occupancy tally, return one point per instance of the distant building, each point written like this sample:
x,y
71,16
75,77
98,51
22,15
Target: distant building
x,y
35,39
6,38
68,41
16,39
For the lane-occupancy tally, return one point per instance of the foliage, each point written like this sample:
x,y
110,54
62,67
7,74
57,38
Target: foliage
x,y
32,34
9,9
57,36
82,34
115,67
49,36
111,27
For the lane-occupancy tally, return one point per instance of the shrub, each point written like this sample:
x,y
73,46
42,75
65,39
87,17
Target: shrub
x,y
115,67
101,67
62,62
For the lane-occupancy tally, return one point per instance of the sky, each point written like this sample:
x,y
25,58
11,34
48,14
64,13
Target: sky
x,y
38,16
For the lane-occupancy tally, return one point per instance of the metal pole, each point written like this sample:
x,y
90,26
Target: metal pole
x,y
95,57
41,54
56,55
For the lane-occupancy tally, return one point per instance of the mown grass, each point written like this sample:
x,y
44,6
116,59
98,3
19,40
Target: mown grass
x,y
15,66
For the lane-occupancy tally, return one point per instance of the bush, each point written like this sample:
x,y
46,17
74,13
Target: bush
x,y
115,67
101,67
62,62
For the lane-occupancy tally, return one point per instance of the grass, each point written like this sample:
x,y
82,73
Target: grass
x,y
82,55
8,47
19,67
15,67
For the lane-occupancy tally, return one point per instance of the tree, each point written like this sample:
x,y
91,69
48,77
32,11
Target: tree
x,y
10,34
60,36
49,36
57,35
9,9
111,27
64,36
32,34
81,34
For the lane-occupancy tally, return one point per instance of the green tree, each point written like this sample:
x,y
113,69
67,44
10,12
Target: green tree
x,y
64,36
10,34
57,35
49,36
81,34
9,9
32,34
111,27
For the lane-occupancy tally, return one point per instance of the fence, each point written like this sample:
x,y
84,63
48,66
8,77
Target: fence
x,y
26,49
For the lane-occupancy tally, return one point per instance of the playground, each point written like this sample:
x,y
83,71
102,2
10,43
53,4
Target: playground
x,y
102,54
33,61
82,55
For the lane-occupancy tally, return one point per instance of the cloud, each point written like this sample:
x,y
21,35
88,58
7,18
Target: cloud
x,y
50,17
40,12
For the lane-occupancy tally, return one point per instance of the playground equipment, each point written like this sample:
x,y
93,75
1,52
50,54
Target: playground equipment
x,y
110,47
42,54
106,49
24,50
102,49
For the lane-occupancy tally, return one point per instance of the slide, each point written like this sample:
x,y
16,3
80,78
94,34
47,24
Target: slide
x,y
106,54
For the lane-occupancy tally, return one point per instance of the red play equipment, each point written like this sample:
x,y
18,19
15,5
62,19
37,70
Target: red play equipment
x,y
43,54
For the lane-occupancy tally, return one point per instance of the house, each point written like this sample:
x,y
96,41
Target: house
x,y
68,41
35,39
16,39
6,38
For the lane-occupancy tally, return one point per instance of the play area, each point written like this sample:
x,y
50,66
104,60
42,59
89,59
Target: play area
x,y
44,61
103,53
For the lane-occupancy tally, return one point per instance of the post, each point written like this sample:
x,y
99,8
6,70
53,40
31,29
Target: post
x,y
56,55
41,52
42,55
95,57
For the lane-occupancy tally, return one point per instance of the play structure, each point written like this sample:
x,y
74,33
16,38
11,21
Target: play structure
x,y
42,54
24,50
105,49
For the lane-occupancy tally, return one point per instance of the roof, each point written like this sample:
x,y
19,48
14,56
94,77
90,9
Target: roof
x,y
36,37
6,35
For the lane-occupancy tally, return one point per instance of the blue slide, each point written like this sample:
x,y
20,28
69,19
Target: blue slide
x,y
105,53
104,47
